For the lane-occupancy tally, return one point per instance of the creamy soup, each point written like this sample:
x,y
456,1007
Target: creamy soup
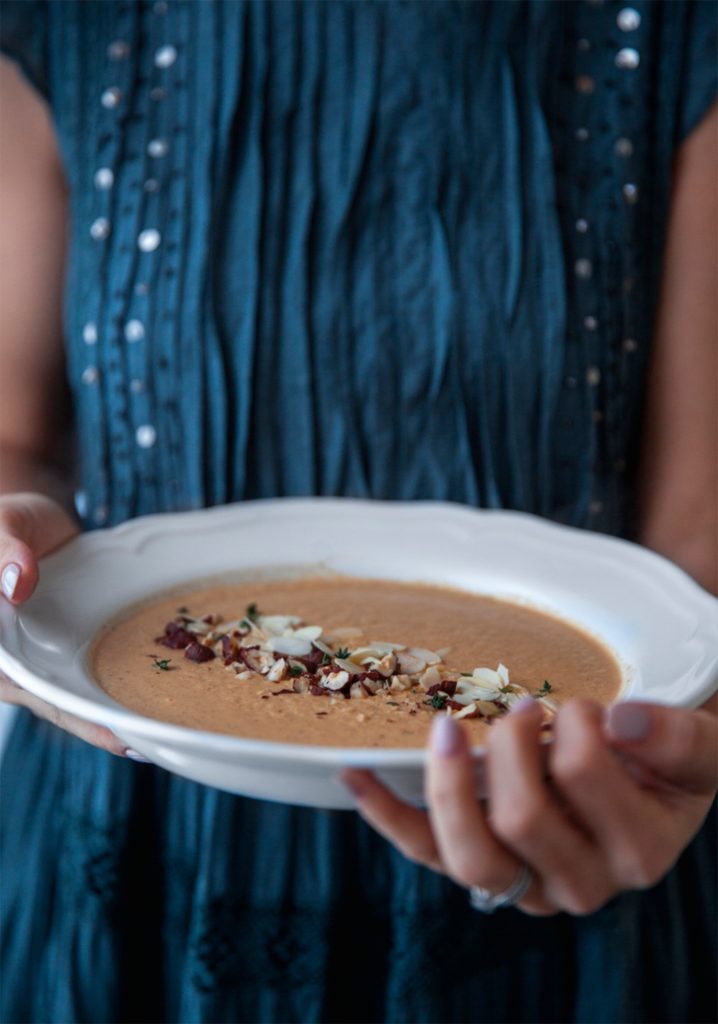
x,y
382,660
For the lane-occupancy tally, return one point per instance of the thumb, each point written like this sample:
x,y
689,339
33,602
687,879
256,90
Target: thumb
x,y
679,747
31,526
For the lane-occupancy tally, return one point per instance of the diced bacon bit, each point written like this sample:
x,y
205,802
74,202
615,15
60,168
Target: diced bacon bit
x,y
198,652
318,691
448,686
176,637
311,661
212,618
319,713
245,654
454,704
229,648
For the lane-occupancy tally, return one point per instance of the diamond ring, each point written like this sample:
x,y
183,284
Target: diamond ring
x,y
488,902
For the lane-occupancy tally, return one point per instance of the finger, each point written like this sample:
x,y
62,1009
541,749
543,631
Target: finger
x,y
31,526
406,827
627,821
679,746
469,851
527,818
96,735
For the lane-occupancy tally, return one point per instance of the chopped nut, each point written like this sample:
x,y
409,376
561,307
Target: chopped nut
x,y
431,677
277,671
357,691
335,680
401,682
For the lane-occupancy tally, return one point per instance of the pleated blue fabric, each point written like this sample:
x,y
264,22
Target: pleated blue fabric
x,y
395,250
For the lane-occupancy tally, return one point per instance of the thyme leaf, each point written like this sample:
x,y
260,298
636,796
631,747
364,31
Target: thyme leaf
x,y
163,664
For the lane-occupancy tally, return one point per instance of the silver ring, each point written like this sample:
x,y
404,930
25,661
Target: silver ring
x,y
488,902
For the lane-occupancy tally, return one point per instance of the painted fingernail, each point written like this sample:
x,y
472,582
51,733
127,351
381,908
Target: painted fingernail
x,y
135,755
445,736
628,722
8,580
522,706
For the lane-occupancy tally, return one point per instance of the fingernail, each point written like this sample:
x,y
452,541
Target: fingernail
x,y
628,722
8,581
135,755
445,736
522,706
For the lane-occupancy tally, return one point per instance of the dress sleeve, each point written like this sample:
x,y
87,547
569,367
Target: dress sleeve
x,y
699,79
23,39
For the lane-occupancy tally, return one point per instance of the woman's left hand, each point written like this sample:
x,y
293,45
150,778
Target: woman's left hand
x,y
627,789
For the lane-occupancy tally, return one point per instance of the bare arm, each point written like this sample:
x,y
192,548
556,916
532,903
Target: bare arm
x,y
33,496
680,452
33,213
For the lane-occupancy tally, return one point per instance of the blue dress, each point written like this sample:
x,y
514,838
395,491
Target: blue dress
x,y
399,250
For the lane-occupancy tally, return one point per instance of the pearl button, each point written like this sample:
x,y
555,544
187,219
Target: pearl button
x,y
582,225
146,435
583,268
118,50
149,239
100,228
628,58
137,386
590,323
158,147
89,333
585,84
628,19
630,345
593,376
104,178
165,56
582,134
134,330
630,193
90,375
111,98
624,147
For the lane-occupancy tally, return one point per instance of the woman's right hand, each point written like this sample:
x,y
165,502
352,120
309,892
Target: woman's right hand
x,y
33,525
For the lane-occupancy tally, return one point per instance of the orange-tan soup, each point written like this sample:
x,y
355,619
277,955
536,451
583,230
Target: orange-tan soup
x,y
543,654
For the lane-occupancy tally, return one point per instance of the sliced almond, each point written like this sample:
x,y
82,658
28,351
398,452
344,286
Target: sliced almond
x,y
308,632
488,677
425,655
276,624
347,666
384,648
410,664
503,673
442,652
289,645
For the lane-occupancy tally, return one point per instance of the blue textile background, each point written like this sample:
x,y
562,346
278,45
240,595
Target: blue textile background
x,y
399,250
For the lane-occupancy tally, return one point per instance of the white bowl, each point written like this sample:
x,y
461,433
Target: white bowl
x,y
662,625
